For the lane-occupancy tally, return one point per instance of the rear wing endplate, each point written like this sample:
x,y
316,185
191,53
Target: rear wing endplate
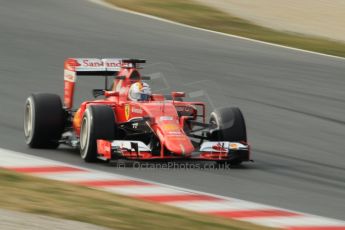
x,y
74,67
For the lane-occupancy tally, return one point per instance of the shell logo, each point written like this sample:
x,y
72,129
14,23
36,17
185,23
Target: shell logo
x,y
233,146
171,127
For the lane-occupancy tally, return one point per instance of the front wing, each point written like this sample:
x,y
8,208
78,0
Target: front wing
x,y
137,150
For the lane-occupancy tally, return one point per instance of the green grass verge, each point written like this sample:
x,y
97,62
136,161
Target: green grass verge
x,y
194,14
35,195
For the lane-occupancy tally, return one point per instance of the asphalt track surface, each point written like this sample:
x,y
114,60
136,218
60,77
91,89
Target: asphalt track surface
x,y
293,102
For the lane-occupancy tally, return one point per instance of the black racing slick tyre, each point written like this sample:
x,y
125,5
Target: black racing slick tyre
x,y
43,120
229,125
98,123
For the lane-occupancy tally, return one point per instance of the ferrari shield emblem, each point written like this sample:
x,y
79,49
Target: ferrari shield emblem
x,y
127,109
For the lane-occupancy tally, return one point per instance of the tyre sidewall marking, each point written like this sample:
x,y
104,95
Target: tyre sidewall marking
x,y
87,117
214,115
30,102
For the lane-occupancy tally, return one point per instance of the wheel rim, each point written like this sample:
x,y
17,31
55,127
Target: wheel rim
x,y
84,135
214,123
28,122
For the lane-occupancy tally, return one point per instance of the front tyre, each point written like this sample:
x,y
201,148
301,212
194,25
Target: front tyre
x,y
43,120
229,125
98,123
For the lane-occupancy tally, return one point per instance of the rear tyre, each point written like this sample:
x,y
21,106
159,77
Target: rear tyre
x,y
43,120
98,123
229,125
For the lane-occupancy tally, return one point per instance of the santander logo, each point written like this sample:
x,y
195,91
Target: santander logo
x,y
69,77
219,147
89,63
109,63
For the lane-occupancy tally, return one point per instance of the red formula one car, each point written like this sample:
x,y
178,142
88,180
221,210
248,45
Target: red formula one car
x,y
118,127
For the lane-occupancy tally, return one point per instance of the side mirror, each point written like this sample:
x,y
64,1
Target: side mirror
x,y
97,92
141,119
157,97
111,93
178,94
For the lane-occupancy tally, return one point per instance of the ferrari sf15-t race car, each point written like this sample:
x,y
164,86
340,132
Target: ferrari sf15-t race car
x,y
117,127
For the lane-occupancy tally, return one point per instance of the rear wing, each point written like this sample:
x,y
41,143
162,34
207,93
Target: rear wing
x,y
74,67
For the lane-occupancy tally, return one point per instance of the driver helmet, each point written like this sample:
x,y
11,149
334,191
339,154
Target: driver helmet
x,y
139,91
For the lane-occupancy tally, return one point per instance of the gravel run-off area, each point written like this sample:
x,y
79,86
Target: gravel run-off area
x,y
321,18
12,220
